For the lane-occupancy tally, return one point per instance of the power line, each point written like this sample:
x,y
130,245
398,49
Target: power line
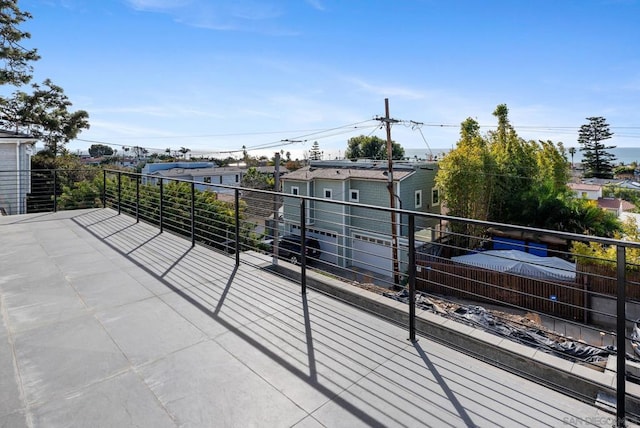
x,y
318,133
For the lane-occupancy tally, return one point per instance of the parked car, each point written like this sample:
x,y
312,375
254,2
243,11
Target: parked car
x,y
289,248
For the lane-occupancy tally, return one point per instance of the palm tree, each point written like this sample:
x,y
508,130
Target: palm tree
x,y
184,152
572,151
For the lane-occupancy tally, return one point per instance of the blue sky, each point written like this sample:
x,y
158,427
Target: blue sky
x,y
214,75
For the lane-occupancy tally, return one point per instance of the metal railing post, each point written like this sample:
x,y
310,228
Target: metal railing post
x,y
621,336
412,278
193,213
161,207
303,246
137,199
104,188
119,192
237,219
55,191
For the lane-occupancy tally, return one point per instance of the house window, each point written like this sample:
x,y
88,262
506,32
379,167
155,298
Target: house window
x,y
418,199
584,194
328,193
237,178
435,197
354,196
207,180
295,190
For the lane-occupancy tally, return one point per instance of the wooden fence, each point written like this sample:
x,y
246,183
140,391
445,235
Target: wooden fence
x,y
559,298
602,279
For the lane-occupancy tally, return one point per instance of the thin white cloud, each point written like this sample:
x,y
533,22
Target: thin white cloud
x,y
172,111
110,130
316,4
158,5
221,15
387,91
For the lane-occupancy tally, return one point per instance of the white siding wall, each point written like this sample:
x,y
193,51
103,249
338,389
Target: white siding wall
x,y
8,179
14,185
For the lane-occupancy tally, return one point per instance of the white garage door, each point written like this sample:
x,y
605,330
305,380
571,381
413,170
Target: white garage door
x,y
372,254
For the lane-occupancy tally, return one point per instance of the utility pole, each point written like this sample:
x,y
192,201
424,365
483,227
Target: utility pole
x,y
392,196
276,209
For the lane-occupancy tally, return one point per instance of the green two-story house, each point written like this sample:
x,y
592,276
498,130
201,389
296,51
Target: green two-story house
x,y
353,235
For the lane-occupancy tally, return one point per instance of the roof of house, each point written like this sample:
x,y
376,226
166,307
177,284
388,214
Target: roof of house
x,y
10,135
197,172
367,170
629,184
627,206
610,203
584,186
333,173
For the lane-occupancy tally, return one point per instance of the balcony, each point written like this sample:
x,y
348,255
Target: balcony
x,y
112,318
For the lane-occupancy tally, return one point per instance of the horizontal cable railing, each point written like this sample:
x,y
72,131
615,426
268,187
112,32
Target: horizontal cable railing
x,y
532,289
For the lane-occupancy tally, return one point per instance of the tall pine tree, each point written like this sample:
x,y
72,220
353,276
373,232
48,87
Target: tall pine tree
x,y
597,161
315,153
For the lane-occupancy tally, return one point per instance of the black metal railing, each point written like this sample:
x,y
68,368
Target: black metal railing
x,y
594,296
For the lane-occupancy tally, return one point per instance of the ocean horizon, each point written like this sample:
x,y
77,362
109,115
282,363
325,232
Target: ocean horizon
x,y
624,155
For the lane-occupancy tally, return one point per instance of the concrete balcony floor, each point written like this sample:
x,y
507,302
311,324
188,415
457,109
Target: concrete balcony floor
x,y
106,322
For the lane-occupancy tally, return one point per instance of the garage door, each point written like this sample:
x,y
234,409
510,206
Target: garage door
x,y
372,254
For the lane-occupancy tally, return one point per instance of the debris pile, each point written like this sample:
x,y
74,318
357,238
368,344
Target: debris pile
x,y
518,328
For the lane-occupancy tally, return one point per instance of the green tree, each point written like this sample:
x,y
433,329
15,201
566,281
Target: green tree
x,y
551,161
465,178
315,153
586,217
98,150
140,152
256,180
572,152
464,174
15,59
544,205
363,147
44,113
503,178
516,165
82,194
594,253
184,151
597,160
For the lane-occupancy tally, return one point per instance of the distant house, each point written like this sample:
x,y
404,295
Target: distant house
x,y
203,172
150,168
593,192
587,191
15,171
615,205
629,184
347,235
